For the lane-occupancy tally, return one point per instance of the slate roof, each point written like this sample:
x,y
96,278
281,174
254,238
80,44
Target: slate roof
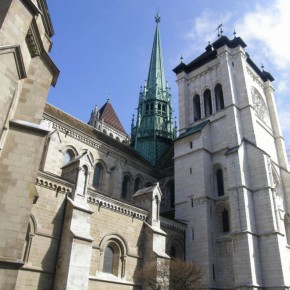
x,y
109,116
193,129
211,54
92,132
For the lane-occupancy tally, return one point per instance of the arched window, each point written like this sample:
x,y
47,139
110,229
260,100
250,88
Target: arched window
x,y
225,221
137,184
108,260
172,252
220,182
126,187
118,139
68,156
111,135
98,175
219,98
82,180
155,208
114,258
28,240
175,249
196,108
207,103
105,131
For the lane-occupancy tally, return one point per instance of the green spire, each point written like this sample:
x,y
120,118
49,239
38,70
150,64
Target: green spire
x,y
155,80
153,132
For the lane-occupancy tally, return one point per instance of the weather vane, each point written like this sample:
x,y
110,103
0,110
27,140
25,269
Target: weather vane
x,y
219,30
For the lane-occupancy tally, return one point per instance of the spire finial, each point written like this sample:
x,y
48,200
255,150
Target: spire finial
x,y
157,18
262,67
181,58
109,97
219,30
234,33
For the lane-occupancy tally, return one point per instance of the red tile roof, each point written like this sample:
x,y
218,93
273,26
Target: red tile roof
x,y
108,115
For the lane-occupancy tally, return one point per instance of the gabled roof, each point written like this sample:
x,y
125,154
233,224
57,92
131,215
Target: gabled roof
x,y
109,116
63,117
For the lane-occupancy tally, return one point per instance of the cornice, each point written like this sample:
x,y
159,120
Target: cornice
x,y
53,183
31,7
15,49
172,225
36,48
116,206
95,143
255,78
46,17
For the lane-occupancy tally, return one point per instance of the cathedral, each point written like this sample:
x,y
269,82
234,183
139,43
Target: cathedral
x,y
87,205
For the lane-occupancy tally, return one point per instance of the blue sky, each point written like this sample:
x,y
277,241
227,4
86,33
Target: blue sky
x,y
103,47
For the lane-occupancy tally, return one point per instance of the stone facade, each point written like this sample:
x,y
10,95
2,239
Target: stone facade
x,y
79,209
231,170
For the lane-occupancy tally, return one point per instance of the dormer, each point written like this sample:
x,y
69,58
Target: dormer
x,y
150,198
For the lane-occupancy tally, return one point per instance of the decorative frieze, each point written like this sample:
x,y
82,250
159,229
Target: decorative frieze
x,y
52,183
32,43
117,206
255,78
94,143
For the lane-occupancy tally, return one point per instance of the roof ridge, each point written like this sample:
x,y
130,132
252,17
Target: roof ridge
x,y
109,116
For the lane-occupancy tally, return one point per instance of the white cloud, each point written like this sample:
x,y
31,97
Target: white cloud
x,y
269,25
265,29
203,30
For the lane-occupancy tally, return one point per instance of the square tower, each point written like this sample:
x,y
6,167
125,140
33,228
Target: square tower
x,y
231,170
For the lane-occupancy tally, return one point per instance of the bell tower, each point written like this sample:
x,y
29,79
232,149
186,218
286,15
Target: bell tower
x,y
153,131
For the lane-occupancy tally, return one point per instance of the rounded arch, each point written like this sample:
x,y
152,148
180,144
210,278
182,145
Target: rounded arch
x,y
126,185
175,248
219,183
118,139
102,162
30,233
276,178
111,135
105,131
98,176
219,97
138,182
69,153
33,223
114,250
70,147
223,212
207,102
196,108
118,238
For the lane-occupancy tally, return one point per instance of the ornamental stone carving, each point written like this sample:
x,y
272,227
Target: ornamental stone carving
x,y
260,105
